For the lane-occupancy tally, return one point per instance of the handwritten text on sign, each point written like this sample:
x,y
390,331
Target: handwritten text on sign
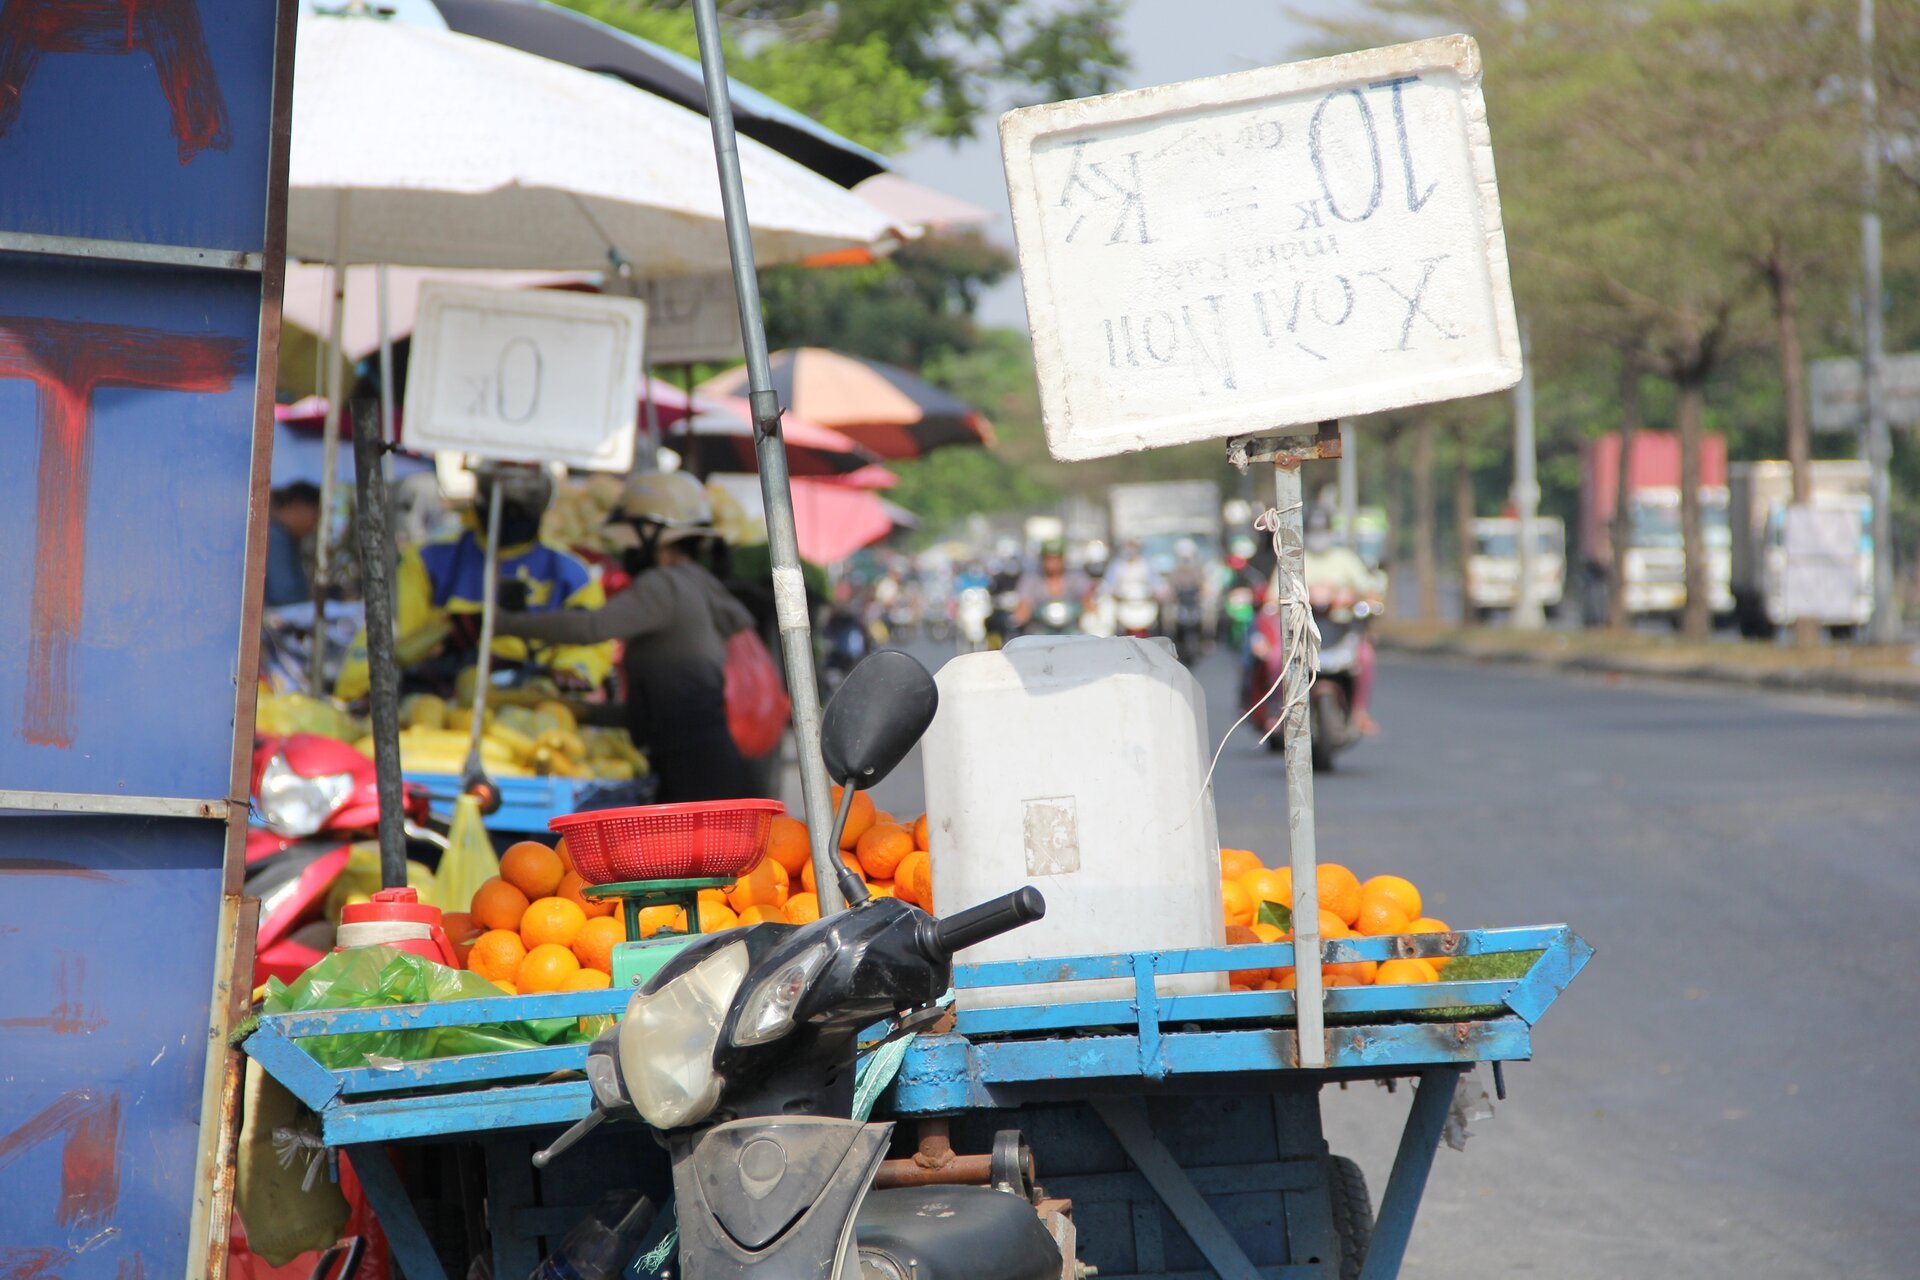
x,y
527,375
1267,249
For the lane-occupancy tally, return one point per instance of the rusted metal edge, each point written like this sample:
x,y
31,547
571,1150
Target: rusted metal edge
x,y
233,988
1290,449
132,251
132,806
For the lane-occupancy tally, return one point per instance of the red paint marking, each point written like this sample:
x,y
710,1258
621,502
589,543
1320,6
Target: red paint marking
x,y
70,1016
90,1160
168,30
67,360
32,1264
133,1267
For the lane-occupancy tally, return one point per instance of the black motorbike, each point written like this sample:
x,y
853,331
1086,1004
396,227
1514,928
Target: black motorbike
x,y
740,1053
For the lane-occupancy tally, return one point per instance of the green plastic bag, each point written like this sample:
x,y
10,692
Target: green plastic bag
x,y
469,860
368,977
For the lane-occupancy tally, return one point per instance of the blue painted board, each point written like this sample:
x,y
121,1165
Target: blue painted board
x,y
124,621
108,949
141,120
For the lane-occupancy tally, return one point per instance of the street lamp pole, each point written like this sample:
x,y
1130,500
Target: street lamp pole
x,y
1877,444
1527,614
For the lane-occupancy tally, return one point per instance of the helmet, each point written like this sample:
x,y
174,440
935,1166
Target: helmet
x,y
673,500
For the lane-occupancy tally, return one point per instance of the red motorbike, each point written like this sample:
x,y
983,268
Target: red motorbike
x,y
314,798
1342,619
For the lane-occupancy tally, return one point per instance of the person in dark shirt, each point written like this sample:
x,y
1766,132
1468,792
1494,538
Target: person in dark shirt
x,y
293,513
676,618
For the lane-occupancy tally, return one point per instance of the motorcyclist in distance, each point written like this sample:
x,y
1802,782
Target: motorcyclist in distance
x,y
1053,581
1335,570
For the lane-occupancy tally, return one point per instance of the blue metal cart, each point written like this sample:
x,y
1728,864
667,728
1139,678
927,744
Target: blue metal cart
x,y
1179,1126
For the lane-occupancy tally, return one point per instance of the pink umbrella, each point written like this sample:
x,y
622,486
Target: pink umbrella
x,y
833,521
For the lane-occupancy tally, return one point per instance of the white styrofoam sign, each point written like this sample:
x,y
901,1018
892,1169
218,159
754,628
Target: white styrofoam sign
x,y
693,319
526,375
1267,249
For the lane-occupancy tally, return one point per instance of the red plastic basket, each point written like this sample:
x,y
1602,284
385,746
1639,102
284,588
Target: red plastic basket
x,y
709,840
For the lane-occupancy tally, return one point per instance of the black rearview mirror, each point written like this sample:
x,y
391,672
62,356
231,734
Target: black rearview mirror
x,y
875,717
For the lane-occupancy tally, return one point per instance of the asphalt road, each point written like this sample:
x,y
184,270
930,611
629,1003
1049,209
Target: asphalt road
x,y
1732,1087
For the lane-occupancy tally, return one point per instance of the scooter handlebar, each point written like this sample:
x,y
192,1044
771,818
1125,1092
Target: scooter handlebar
x,y
990,919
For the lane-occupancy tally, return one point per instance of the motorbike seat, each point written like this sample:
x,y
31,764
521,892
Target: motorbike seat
x,y
958,1233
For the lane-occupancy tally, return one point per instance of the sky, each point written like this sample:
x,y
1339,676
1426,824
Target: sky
x,y
1169,40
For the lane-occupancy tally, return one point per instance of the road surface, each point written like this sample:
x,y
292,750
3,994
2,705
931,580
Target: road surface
x,y
1732,1088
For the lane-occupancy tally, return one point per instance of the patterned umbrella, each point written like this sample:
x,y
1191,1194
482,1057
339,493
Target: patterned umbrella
x,y
888,410
719,437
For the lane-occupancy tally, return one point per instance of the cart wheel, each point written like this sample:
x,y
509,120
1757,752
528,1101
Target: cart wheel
x,y
1352,1213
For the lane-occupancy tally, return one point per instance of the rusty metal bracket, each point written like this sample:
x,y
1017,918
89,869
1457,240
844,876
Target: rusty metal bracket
x,y
1285,450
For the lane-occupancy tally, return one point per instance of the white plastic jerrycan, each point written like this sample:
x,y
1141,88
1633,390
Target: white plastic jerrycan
x,y
1075,764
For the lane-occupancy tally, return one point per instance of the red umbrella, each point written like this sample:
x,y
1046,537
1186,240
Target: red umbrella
x,y
832,521
889,410
719,437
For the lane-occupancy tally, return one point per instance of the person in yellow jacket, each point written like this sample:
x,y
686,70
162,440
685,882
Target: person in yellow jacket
x,y
438,585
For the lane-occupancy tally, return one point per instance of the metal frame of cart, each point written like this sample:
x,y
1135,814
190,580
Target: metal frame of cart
x,y
1118,1061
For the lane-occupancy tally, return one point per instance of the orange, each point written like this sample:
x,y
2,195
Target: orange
x,y
921,833
790,845
573,889
532,868
498,905
1269,886
497,955
882,818
1235,863
1427,924
1270,932
1238,986
593,945
1236,904
764,886
1380,916
1399,889
1241,935
560,852
913,879
507,987
763,915
714,917
1358,973
881,889
1397,971
1339,890
654,919
859,818
803,908
546,967
1332,926
882,847
461,927
718,897
851,859
551,920
587,980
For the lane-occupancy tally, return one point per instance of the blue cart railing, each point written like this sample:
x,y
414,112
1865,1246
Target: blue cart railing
x,y
1101,1071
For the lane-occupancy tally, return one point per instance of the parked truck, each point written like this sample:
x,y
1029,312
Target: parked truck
x,y
1654,560
1759,494
1161,514
1493,568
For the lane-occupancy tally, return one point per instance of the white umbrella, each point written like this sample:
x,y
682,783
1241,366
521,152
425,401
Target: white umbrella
x,y
420,147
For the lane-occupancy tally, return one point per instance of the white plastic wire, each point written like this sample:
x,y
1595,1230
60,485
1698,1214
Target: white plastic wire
x,y
1300,640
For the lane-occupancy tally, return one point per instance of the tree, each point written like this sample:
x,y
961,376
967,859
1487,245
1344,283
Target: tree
x,y
884,72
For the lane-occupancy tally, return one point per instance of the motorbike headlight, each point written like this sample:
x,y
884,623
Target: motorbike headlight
x,y
767,1012
668,1037
293,805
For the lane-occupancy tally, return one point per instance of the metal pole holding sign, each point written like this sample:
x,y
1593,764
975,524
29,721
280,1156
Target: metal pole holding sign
x,y
789,588
1301,650
475,774
1885,627
383,669
1527,615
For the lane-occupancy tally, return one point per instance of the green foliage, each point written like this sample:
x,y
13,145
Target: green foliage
x,y
884,72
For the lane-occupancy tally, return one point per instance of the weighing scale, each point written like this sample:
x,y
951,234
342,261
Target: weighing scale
x,y
638,959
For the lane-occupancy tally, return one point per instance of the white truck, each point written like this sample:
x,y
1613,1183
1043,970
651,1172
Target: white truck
x,y
1759,496
1493,570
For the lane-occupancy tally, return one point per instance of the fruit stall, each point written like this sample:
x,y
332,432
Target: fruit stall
x,y
1181,1127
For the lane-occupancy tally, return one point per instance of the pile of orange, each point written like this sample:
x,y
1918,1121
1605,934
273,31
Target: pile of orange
x,y
532,928
1384,906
